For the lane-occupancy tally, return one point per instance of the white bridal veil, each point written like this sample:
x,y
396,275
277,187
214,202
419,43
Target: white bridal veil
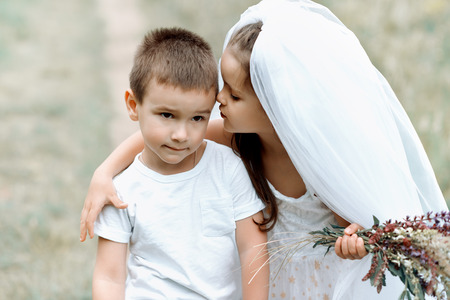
x,y
340,122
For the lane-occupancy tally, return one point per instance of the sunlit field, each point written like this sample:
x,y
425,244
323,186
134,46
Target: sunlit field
x,y
57,104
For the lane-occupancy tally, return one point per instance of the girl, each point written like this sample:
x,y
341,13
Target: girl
x,y
324,140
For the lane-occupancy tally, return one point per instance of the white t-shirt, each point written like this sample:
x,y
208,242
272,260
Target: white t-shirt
x,y
181,227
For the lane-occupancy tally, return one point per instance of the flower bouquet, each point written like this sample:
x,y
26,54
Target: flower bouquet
x,y
417,250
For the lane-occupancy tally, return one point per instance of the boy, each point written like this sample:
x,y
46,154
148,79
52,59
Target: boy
x,y
192,216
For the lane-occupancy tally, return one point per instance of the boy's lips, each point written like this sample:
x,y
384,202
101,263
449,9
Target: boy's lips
x,y
176,149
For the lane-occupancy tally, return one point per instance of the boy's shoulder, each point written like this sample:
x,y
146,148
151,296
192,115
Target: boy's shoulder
x,y
222,161
220,151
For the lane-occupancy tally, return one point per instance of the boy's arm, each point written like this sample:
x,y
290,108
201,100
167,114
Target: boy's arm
x,y
252,249
110,271
101,190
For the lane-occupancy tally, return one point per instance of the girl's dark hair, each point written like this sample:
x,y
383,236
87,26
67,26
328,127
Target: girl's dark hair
x,y
248,145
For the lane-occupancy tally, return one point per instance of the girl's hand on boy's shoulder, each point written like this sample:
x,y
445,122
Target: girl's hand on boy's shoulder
x,y
350,246
101,192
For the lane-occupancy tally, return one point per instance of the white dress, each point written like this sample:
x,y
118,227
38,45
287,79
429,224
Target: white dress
x,y
308,274
347,135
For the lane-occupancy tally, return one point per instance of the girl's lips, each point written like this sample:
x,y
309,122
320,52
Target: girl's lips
x,y
221,113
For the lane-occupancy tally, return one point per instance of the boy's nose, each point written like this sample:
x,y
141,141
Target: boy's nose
x,y
179,133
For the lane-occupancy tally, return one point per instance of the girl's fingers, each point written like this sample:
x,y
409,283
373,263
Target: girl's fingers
x,y
90,213
351,246
352,228
360,248
96,208
92,216
117,202
83,229
337,247
345,247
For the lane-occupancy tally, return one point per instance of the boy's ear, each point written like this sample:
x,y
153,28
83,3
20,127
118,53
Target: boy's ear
x,y
131,103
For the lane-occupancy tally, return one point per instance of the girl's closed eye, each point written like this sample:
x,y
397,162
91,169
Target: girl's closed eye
x,y
234,97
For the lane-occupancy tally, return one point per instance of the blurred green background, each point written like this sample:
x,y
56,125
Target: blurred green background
x,y
64,67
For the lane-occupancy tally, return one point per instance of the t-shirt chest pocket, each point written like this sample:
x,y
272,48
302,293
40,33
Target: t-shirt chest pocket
x,y
217,216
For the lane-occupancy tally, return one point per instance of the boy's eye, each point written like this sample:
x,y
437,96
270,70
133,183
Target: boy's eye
x,y
198,118
166,115
234,97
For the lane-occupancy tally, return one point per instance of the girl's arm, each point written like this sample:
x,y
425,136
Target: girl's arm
x,y
101,190
251,242
110,271
217,133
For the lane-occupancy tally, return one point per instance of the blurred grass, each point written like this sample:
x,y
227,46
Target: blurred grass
x,y
53,112
210,18
55,109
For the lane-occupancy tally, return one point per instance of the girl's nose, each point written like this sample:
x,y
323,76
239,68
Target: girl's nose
x,y
221,97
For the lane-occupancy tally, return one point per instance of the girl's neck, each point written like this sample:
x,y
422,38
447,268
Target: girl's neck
x,y
271,144
278,167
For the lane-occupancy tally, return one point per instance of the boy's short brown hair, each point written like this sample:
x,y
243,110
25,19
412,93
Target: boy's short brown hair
x,y
173,56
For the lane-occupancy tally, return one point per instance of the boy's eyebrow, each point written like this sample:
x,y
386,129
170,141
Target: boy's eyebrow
x,y
167,108
205,111
163,107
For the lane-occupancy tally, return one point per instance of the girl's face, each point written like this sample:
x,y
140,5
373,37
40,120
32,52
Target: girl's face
x,y
239,106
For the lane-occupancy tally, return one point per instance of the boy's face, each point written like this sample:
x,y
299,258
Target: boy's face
x,y
173,123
